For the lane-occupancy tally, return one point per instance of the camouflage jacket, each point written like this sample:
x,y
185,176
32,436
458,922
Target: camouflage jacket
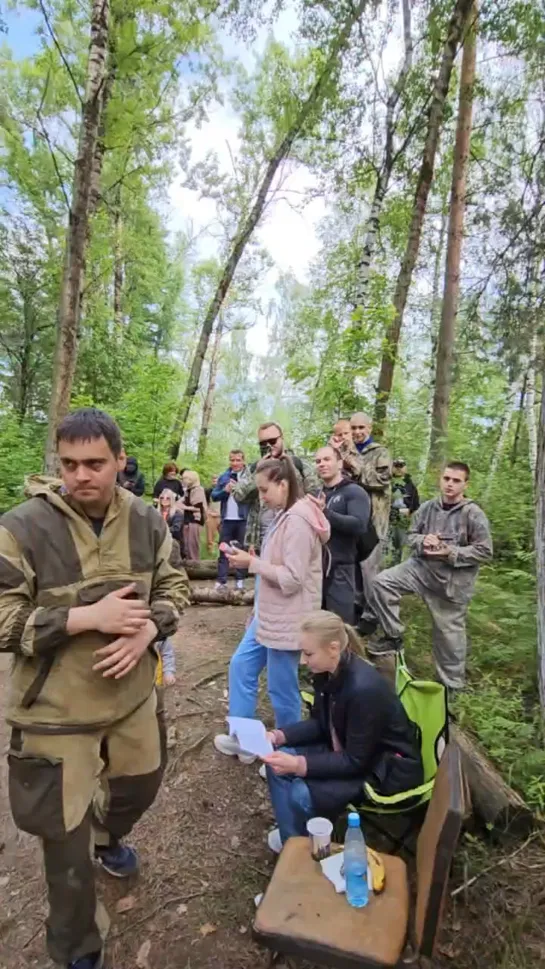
x,y
245,493
465,530
375,476
52,560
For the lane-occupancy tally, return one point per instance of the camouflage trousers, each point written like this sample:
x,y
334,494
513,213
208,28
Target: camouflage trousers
x,y
449,639
75,792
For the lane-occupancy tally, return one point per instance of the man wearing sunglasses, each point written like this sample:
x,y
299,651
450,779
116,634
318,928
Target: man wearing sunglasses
x,y
271,444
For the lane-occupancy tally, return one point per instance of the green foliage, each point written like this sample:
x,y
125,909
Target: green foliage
x,y
21,453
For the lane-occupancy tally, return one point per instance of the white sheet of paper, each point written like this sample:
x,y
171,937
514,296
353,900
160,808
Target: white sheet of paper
x,y
251,735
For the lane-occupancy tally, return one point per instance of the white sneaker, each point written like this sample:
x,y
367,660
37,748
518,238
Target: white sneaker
x,y
263,772
220,587
229,746
239,585
274,841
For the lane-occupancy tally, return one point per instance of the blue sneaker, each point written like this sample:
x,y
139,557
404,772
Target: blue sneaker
x,y
93,961
119,860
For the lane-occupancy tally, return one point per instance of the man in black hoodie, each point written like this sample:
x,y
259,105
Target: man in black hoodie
x,y
131,478
347,508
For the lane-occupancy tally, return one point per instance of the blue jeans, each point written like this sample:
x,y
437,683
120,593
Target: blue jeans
x,y
291,801
282,665
231,531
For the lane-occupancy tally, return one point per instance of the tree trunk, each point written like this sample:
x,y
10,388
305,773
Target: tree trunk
x,y
531,408
388,161
225,597
497,805
540,545
247,226
510,405
118,273
77,233
203,568
514,452
434,328
451,292
210,391
437,108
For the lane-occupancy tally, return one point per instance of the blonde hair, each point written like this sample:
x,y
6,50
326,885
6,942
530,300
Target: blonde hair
x,y
171,495
191,478
329,628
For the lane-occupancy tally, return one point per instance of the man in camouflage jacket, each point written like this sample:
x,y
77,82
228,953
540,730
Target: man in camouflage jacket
x,y
86,587
375,476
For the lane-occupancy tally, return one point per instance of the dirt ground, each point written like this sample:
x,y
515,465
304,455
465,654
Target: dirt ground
x,y
204,854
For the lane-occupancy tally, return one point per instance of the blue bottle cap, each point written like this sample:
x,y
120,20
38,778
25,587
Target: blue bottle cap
x,y
353,820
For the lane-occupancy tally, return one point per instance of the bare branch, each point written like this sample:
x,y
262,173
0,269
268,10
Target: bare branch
x,y
60,50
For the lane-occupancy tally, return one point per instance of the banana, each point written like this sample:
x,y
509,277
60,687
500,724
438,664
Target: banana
x,y
377,870
374,862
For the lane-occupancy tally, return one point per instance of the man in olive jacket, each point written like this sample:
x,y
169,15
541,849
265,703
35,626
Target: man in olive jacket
x,y
449,540
86,588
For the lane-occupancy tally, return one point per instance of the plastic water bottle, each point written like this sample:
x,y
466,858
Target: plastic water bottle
x,y
355,864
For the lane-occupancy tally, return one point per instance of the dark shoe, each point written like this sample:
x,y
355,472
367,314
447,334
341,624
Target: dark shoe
x,y
366,627
120,860
93,961
385,644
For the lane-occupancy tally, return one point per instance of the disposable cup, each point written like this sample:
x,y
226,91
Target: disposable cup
x,y
320,830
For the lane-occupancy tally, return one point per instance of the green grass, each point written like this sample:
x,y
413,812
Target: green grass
x,y
501,705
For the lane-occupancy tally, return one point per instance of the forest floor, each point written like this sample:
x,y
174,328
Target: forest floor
x,y
204,854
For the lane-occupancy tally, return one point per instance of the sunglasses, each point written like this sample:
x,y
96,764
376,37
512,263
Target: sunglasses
x,y
269,442
359,427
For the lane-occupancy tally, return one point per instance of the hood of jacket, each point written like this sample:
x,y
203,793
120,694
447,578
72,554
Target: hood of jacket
x,y
305,508
131,467
54,491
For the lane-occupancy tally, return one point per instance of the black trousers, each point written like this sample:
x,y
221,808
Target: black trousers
x,y
339,592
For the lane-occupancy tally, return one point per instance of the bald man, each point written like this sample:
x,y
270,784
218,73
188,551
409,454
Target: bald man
x,y
376,474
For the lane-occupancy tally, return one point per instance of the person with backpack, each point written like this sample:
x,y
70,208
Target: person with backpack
x,y
357,732
347,508
449,539
270,439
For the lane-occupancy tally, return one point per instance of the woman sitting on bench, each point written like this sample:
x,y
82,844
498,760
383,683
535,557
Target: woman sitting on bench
x,y
358,732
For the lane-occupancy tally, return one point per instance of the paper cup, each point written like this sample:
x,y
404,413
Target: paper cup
x,y
320,831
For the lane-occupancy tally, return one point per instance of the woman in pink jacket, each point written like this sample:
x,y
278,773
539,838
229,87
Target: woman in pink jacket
x,y
288,587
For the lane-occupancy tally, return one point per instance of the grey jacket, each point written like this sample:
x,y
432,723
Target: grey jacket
x,y
464,528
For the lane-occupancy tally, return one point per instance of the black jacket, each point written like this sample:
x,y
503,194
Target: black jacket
x,y
379,742
132,479
347,510
173,484
405,489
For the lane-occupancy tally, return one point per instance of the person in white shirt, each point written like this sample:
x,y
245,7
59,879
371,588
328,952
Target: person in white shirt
x,y
233,517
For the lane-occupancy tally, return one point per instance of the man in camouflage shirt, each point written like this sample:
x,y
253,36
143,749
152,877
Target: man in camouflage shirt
x,y
375,476
449,539
86,588
271,444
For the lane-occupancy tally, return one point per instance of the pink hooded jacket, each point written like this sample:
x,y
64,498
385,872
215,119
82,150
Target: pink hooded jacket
x,y
290,571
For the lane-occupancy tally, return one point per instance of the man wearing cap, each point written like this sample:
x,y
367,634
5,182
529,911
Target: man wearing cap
x,y
405,501
376,474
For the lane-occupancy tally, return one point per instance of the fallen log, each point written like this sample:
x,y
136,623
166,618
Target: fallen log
x,y
223,597
494,802
205,569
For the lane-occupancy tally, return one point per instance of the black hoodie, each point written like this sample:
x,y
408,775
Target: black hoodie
x,y
132,479
347,510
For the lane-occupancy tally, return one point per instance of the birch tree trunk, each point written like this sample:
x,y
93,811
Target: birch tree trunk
x,y
522,401
455,32
77,233
210,390
531,408
451,291
540,545
118,273
387,165
247,226
434,328
510,407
